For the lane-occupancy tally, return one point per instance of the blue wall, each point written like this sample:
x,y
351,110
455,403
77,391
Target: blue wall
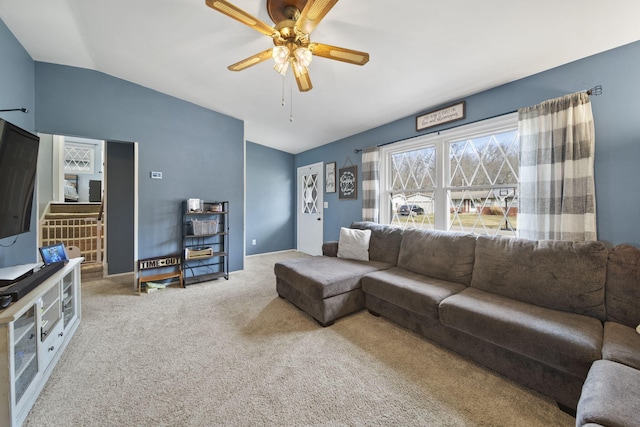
x,y
270,200
617,136
200,152
17,90
187,142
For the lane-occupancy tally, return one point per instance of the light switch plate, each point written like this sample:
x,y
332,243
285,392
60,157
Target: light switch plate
x,y
156,175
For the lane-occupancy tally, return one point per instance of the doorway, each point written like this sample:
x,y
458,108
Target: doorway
x,y
117,165
310,190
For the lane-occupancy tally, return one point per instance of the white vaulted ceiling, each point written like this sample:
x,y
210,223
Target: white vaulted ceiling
x,y
423,54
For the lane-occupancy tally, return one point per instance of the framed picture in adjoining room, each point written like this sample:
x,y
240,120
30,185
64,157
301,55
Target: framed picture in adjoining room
x,y
348,183
330,178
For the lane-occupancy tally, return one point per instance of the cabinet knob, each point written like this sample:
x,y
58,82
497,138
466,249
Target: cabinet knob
x,y
61,334
51,348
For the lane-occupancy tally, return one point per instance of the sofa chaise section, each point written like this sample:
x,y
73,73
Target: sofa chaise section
x,y
328,287
325,288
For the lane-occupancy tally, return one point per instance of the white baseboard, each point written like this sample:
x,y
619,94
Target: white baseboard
x,y
271,253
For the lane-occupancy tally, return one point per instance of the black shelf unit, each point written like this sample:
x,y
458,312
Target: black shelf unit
x,y
205,249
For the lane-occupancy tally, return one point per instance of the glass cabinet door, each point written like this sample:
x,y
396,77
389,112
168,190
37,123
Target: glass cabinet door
x,y
49,311
24,351
68,300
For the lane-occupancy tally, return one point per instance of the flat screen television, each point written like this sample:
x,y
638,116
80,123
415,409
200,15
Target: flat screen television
x,y
18,164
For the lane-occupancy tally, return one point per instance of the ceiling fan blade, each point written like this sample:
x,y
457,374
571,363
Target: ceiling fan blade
x,y
250,61
240,15
339,53
313,13
303,79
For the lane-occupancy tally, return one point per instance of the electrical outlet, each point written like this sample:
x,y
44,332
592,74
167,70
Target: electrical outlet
x,y
253,242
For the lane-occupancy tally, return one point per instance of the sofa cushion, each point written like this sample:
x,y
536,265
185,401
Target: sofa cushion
x,y
330,248
526,329
623,285
384,244
410,291
567,276
444,255
321,277
354,244
610,396
621,344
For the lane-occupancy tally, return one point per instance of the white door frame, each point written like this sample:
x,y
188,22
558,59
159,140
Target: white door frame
x,y
310,228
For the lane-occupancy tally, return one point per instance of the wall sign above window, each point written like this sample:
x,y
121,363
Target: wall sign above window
x,y
443,115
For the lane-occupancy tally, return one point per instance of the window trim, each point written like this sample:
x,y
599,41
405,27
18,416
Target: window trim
x,y
441,141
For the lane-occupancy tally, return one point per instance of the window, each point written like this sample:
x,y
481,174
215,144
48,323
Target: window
x,y
310,194
413,178
79,157
464,179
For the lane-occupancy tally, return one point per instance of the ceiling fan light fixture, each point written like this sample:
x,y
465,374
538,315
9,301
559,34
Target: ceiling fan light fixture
x,y
303,56
280,54
281,67
295,20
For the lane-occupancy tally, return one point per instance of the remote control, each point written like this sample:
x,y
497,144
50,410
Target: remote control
x,y
5,300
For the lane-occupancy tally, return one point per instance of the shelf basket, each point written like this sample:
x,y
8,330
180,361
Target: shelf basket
x,y
204,227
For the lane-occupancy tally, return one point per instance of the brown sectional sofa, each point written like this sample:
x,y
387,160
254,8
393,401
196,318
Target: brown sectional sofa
x,y
540,313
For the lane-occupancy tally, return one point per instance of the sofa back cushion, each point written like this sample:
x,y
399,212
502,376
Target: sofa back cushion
x,y
623,285
444,255
561,275
384,243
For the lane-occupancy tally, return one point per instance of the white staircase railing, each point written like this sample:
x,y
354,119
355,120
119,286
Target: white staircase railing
x,y
85,233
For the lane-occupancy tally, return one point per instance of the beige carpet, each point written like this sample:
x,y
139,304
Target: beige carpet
x,y
233,353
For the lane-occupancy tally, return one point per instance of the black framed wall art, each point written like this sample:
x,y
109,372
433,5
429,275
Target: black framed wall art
x,y
330,178
348,183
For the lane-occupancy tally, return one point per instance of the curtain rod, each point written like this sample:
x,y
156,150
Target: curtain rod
x,y
594,91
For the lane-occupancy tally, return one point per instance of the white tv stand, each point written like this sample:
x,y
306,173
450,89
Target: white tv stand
x,y
34,331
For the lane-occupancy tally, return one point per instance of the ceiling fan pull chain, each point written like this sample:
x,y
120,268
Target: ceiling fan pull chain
x,y
291,103
283,103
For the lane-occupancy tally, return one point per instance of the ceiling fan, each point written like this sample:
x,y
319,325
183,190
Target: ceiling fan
x,y
295,20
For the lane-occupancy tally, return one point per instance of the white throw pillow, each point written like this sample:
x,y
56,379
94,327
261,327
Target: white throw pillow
x,y
354,244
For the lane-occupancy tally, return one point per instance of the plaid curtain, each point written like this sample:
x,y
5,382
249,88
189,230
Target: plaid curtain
x,y
371,184
557,189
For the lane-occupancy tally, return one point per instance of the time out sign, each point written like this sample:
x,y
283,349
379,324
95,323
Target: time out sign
x,y
159,262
